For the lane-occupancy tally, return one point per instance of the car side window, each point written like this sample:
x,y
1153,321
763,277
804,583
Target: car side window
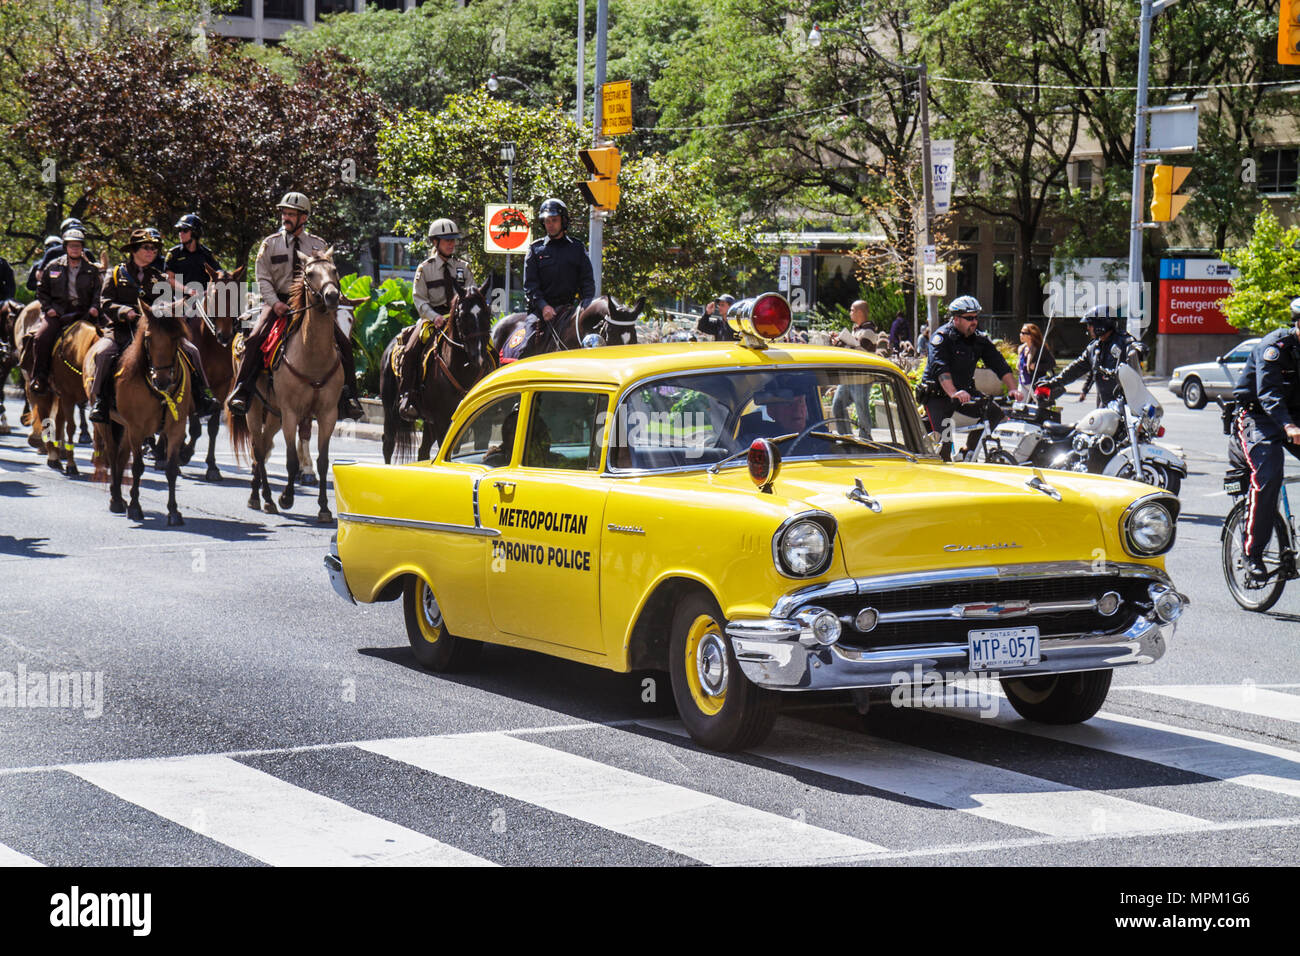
x,y
488,438
565,430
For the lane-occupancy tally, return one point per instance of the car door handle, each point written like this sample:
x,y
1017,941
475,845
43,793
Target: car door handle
x,y
505,487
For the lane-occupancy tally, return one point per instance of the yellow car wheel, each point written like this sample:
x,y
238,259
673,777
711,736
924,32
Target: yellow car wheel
x,y
1058,698
433,646
719,705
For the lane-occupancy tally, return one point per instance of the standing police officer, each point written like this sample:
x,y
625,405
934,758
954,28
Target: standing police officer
x,y
437,280
956,348
556,271
1268,399
1107,351
278,267
69,292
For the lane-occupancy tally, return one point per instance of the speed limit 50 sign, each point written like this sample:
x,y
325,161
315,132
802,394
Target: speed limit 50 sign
x,y
934,280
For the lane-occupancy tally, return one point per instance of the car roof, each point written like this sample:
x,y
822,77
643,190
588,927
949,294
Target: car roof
x,y
619,365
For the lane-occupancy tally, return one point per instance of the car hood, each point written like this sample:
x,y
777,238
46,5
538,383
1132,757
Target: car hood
x,y
934,514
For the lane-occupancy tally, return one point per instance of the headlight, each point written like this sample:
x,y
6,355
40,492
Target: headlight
x,y
803,547
1149,526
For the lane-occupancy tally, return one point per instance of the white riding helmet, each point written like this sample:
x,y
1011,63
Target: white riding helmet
x,y
295,201
73,234
444,229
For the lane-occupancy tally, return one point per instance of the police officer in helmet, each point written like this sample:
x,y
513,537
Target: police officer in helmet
x,y
556,273
956,348
68,292
52,249
1109,348
188,262
1267,424
437,280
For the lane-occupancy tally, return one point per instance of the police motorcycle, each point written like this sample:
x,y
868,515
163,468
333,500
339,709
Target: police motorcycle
x,y
1103,442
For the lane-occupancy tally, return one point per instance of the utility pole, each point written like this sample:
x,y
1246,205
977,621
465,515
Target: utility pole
x,y
582,68
596,226
1136,308
931,307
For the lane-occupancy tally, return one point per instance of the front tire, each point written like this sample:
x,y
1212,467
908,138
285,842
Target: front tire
x,y
434,647
1058,698
1234,561
721,708
1194,394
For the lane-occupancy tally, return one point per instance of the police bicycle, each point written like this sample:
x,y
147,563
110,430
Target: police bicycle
x,y
1280,555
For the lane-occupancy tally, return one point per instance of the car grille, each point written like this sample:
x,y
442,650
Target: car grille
x,y
1132,591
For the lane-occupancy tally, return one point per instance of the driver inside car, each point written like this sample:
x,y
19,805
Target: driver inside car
x,y
784,411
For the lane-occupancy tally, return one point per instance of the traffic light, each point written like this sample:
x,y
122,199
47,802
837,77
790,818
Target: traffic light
x,y
603,163
1288,32
1165,205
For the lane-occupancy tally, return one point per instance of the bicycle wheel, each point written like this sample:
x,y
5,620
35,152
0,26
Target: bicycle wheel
x,y
1234,561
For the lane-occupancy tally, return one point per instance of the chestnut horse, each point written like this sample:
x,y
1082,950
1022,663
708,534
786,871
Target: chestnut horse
x,y
306,385
460,356
54,411
216,334
155,394
614,323
9,310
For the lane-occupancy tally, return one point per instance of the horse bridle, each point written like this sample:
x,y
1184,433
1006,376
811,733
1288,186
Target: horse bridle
x,y
463,346
171,401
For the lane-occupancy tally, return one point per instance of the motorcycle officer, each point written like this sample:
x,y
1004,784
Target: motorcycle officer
x,y
1110,347
956,348
1268,422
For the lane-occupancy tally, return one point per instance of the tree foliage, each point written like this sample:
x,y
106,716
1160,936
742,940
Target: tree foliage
x,y
1270,276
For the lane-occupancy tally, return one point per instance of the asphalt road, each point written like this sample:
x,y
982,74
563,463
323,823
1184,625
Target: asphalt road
x,y
304,732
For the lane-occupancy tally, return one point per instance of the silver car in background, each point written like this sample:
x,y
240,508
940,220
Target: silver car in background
x,y
1198,384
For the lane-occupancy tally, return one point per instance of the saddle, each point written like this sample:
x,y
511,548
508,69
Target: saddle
x,y
518,345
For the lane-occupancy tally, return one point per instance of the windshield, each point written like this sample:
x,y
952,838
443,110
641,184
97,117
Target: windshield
x,y
698,419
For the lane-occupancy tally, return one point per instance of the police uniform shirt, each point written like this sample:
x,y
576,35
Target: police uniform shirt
x,y
64,291
436,281
958,355
556,272
1100,360
1269,386
124,288
188,266
275,265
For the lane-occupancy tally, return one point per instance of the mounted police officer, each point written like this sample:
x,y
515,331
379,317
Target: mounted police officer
x,y
52,250
188,262
68,292
137,279
556,272
278,267
1108,350
956,348
437,280
1268,423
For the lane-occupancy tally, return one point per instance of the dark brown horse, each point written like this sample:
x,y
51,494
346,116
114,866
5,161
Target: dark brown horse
x,y
9,310
614,323
155,392
216,333
460,357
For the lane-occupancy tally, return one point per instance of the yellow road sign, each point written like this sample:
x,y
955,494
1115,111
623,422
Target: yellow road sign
x,y
616,107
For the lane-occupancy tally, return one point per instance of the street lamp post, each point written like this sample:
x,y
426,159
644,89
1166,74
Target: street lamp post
x,y
927,171
508,158
494,83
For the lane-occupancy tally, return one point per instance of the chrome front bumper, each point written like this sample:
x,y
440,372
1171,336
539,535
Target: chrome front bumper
x,y
779,652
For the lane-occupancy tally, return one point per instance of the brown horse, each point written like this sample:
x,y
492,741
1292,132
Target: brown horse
x,y
9,310
614,323
54,410
216,333
155,393
306,385
23,344
460,357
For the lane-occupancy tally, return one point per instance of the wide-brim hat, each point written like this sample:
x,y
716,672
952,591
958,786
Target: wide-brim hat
x,y
141,237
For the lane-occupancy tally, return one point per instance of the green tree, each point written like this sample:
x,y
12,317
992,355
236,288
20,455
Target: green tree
x,y
1270,276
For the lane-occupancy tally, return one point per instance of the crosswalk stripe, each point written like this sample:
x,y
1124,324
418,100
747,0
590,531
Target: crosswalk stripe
x,y
698,825
993,793
1245,698
265,817
1231,759
11,857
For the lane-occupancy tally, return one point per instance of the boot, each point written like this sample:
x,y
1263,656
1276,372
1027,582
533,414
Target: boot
x,y
205,403
250,366
100,410
408,378
349,407
101,388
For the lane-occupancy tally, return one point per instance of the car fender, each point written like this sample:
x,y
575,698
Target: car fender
x,y
1156,453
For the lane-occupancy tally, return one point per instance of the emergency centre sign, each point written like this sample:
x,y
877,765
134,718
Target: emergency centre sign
x,y
506,228
1190,293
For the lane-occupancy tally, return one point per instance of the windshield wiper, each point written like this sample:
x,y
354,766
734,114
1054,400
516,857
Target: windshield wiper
x,y
864,442
717,465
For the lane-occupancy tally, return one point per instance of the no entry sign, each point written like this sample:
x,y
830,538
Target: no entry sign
x,y
507,228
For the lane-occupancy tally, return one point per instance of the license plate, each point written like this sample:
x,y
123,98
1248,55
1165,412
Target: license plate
x,y
1003,647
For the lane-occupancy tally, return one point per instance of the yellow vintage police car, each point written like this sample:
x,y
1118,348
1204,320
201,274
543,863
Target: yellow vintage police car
x,y
755,519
